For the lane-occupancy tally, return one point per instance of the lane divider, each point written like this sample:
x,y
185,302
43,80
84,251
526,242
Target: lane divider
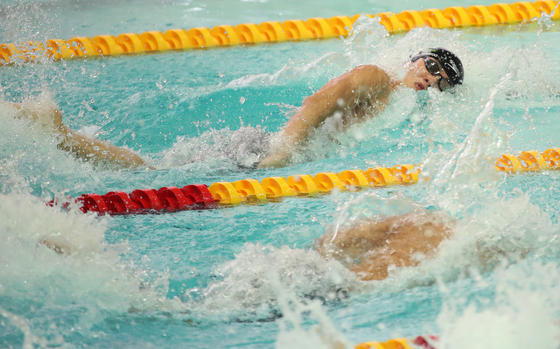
x,y
248,33
201,196
425,342
529,161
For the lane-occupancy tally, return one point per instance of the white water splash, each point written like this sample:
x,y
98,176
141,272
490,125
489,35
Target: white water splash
x,y
243,147
523,315
295,330
89,272
244,283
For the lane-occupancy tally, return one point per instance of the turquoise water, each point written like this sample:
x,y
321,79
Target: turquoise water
x,y
247,276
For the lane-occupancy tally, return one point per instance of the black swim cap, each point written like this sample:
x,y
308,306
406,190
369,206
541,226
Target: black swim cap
x,y
451,64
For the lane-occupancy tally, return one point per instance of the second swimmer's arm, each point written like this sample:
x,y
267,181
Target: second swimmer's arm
x,y
344,92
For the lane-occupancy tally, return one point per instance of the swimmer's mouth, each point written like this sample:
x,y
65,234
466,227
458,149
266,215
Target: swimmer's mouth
x,y
418,86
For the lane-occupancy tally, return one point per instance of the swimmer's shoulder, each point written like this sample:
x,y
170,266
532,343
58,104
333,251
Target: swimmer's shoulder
x,y
369,77
370,71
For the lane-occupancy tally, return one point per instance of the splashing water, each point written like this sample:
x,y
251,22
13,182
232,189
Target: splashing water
x,y
295,329
470,166
244,147
245,284
523,313
36,280
455,136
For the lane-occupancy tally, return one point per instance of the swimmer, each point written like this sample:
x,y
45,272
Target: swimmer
x,y
354,96
372,248
361,93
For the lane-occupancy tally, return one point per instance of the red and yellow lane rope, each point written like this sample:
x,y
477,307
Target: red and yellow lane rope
x,y
201,196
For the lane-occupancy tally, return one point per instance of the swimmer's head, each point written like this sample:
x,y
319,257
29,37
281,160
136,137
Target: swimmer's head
x,y
435,67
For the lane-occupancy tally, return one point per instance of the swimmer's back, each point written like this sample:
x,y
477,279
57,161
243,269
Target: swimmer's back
x,y
370,248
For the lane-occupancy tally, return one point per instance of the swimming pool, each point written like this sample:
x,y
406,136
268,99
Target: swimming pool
x,y
223,278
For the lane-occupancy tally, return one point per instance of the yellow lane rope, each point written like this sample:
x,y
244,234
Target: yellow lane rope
x,y
248,33
304,184
238,192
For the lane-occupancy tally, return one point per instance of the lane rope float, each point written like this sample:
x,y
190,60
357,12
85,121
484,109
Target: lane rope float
x,y
424,342
272,31
529,161
201,196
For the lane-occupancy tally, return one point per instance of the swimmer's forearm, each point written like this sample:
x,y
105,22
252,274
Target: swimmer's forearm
x,y
314,110
96,151
295,133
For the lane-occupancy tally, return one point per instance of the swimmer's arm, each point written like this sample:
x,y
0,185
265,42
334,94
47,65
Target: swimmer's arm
x,y
367,82
81,146
98,151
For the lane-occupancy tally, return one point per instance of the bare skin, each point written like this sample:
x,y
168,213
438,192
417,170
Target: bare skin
x,y
371,248
358,95
81,146
355,96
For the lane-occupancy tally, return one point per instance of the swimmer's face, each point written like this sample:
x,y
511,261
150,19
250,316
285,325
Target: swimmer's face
x,y
419,78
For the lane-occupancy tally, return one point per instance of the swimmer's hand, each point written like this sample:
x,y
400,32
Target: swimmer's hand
x,y
276,160
49,118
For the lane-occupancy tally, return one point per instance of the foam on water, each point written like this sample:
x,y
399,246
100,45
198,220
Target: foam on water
x,y
523,312
296,331
86,283
248,285
244,147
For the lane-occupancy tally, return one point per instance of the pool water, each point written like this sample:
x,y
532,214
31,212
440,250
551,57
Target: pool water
x,y
247,276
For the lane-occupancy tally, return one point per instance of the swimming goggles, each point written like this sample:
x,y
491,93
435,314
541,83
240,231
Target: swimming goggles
x,y
433,68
